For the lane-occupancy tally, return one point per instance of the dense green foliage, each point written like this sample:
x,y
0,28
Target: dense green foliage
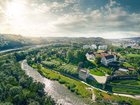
x,y
131,55
16,88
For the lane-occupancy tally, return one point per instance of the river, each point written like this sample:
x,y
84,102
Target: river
x,y
58,92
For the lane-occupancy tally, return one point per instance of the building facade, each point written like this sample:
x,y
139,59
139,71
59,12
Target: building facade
x,y
83,74
108,59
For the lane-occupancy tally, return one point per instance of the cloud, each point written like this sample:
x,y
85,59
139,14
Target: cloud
x,y
109,18
68,18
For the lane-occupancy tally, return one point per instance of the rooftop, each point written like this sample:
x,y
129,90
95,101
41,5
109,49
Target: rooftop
x,y
109,56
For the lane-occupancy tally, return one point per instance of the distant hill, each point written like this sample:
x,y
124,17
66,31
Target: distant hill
x,y
134,38
9,41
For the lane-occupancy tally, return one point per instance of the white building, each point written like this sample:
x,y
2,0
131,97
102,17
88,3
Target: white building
x,y
122,69
116,44
108,59
86,46
93,46
83,74
102,47
90,56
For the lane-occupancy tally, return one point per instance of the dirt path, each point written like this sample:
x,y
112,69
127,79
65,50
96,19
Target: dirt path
x,y
100,79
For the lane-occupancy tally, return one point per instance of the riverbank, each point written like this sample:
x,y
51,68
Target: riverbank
x,y
73,85
56,90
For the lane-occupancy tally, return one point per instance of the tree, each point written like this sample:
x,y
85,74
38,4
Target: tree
x,y
98,60
70,56
39,66
79,56
15,90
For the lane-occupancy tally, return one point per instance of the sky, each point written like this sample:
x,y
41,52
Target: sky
x,y
71,18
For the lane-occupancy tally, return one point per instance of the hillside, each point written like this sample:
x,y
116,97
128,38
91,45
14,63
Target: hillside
x,y
9,41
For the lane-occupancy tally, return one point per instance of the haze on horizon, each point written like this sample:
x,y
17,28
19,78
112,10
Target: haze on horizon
x,y
75,18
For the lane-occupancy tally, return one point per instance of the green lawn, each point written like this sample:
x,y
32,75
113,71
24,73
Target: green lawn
x,y
127,65
133,55
106,70
127,82
126,90
126,86
97,72
101,71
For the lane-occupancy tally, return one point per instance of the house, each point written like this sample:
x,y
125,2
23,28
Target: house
x,y
86,46
131,69
90,56
62,53
123,69
114,64
93,46
102,47
83,74
105,60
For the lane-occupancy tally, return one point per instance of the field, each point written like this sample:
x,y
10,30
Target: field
x,y
97,72
133,55
60,67
125,64
106,70
126,86
101,71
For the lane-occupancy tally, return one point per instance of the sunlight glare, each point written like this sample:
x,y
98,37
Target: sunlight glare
x,y
15,9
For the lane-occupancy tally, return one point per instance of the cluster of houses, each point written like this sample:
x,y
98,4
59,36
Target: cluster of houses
x,y
135,46
106,56
126,44
94,46
108,59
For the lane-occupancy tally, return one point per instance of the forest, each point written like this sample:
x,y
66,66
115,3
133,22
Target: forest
x,y
16,88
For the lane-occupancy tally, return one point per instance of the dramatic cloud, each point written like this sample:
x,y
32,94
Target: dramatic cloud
x,y
105,18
